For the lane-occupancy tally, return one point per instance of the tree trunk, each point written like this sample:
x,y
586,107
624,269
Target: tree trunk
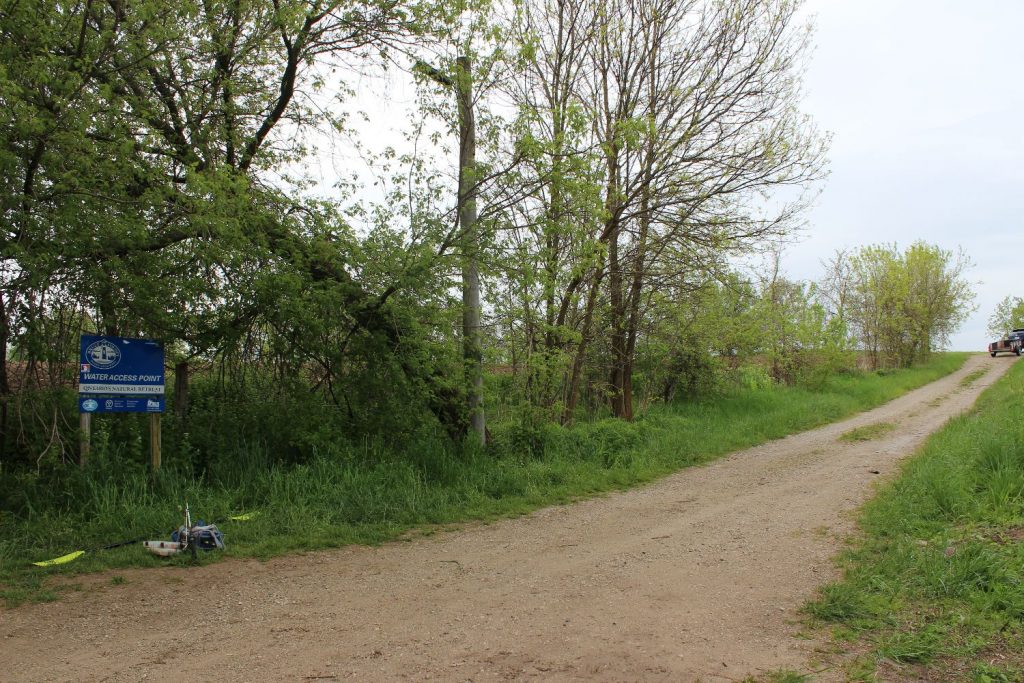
x,y
613,228
573,390
5,386
631,320
181,390
472,347
618,327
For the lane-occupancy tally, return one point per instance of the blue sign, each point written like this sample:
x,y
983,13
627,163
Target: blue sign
x,y
125,367
120,404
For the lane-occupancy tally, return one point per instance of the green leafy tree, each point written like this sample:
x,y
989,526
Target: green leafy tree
x,y
903,305
676,144
800,338
142,145
700,332
1008,315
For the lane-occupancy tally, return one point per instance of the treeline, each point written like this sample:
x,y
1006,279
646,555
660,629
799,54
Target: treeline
x,y
609,163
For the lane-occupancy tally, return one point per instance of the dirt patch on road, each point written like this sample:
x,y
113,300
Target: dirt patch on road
x,y
698,577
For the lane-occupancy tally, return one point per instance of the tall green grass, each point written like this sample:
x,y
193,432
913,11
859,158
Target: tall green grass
x,y
368,494
936,584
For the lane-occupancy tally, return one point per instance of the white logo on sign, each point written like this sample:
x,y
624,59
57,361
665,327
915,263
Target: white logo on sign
x,y
103,354
89,405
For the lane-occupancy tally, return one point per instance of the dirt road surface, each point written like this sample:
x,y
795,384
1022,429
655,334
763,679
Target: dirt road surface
x,y
698,577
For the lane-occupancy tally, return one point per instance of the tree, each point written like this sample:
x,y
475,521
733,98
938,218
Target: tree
x,y
902,305
940,297
691,109
800,338
699,332
1008,315
142,145
553,230
461,85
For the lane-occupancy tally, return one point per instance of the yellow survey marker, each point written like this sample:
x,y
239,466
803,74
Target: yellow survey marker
x,y
63,559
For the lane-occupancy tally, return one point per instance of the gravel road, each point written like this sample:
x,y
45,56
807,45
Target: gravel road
x,y
698,577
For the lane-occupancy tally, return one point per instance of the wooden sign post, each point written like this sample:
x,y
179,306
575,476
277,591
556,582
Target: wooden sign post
x,y
154,440
84,438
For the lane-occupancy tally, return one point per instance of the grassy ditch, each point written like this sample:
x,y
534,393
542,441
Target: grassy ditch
x,y
369,495
934,590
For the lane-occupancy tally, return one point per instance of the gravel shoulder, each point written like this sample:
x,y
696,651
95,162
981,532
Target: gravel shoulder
x,y
698,577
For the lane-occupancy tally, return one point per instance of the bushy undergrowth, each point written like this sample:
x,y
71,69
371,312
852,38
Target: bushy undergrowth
x,y
372,490
938,579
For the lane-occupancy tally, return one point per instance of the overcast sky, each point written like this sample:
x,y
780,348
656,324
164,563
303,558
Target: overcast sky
x,y
924,100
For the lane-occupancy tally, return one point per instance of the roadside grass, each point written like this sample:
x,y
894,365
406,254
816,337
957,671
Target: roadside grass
x,y
368,495
867,432
934,589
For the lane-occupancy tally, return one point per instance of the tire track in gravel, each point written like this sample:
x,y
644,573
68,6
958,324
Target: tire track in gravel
x,y
697,577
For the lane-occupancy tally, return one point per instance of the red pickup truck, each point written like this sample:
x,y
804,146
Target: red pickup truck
x,y
1014,343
